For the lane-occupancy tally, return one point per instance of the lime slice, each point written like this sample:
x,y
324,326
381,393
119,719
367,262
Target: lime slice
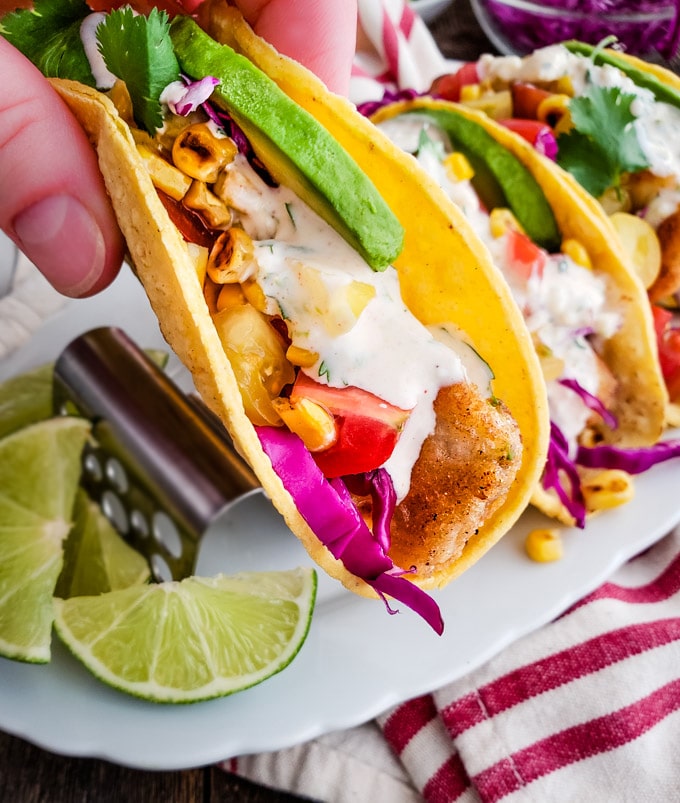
x,y
25,399
96,558
39,474
180,642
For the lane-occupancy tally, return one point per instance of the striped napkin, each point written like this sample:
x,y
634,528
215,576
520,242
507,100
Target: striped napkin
x,y
585,709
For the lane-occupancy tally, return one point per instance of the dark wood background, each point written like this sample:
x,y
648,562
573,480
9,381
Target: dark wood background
x,y
31,775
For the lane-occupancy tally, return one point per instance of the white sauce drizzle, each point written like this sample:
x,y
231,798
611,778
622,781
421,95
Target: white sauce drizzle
x,y
88,35
305,270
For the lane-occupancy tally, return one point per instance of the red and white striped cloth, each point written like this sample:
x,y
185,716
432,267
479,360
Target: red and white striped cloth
x,y
586,708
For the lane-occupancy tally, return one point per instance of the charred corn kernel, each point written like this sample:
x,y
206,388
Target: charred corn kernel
x,y
608,489
501,220
302,357
164,176
544,545
640,244
211,293
200,154
231,257
470,92
458,167
199,256
211,208
552,109
497,105
230,295
253,293
311,422
120,97
576,251
358,296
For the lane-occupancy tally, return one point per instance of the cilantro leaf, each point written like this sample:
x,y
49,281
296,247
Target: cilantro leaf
x,y
138,50
49,35
603,143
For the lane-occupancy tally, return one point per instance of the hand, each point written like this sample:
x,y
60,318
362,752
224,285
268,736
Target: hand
x,y
57,211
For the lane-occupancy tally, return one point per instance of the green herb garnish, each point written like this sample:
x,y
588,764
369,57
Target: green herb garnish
x,y
49,35
139,51
603,144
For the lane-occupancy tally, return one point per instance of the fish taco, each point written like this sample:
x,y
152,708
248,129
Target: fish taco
x,y
585,308
334,308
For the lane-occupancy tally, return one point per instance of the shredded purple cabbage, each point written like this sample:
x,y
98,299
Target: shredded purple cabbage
x,y
379,486
370,107
591,401
546,144
330,512
196,93
641,27
633,461
560,467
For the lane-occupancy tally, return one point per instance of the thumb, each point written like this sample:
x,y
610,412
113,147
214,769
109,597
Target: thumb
x,y
52,198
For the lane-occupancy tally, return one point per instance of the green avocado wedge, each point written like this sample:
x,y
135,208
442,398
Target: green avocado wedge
x,y
662,92
499,172
295,148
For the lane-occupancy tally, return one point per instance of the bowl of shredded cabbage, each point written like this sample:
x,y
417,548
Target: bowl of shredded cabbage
x,y
646,28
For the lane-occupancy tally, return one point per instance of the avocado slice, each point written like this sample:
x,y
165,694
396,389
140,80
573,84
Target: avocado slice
x,y
297,150
662,92
500,178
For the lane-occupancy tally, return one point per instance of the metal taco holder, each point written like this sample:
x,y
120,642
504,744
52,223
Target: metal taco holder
x,y
159,463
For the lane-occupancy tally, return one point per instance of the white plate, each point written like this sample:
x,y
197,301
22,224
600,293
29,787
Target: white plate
x,y
357,660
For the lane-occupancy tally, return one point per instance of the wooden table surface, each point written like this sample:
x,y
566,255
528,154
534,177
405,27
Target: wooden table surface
x,y
29,774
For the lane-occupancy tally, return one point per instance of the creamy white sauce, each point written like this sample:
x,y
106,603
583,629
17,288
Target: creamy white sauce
x,y
560,305
88,35
306,271
656,125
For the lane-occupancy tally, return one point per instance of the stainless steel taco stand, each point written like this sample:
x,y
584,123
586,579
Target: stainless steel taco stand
x,y
160,464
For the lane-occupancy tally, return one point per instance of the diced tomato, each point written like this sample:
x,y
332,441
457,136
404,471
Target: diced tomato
x,y
448,86
668,343
524,256
526,98
190,224
530,130
368,427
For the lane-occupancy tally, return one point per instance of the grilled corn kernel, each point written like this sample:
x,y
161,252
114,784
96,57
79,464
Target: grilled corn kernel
x,y
230,295
577,252
501,220
458,167
309,421
199,256
564,86
253,293
208,205
544,545
302,357
164,176
200,154
231,257
608,489
553,109
120,97
470,92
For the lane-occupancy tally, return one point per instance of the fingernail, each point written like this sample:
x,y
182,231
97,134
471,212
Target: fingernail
x,y
63,240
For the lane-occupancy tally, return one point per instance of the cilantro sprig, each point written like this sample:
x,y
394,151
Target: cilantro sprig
x,y
49,35
603,143
138,50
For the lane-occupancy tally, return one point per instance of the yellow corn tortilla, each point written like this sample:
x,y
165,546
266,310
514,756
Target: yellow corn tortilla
x,y
631,354
445,273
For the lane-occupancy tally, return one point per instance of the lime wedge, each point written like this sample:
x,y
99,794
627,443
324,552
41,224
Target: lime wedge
x,y
180,642
39,475
96,558
25,399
